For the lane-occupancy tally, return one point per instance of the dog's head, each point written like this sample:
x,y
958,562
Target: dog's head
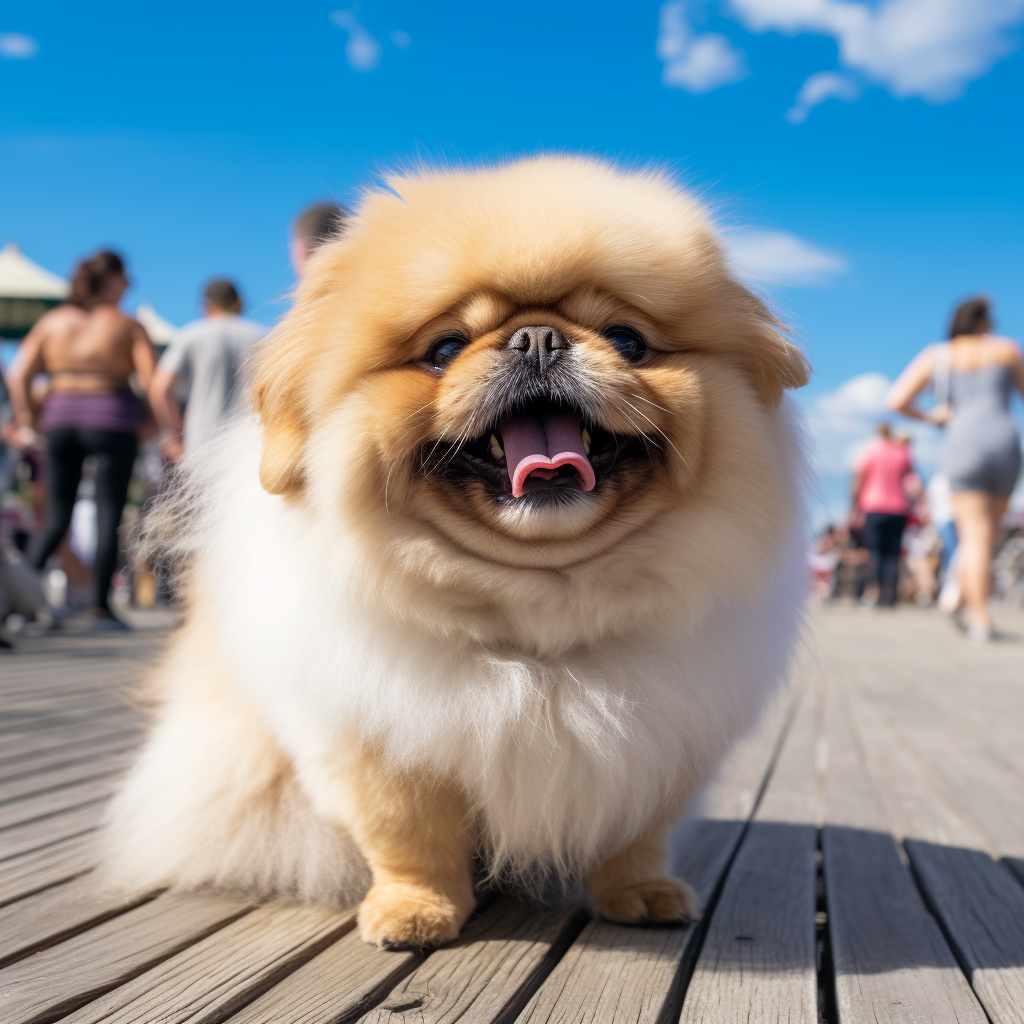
x,y
531,361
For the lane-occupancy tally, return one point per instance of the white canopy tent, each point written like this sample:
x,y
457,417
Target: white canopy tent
x,y
20,278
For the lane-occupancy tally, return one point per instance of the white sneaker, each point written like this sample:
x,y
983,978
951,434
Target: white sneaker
x,y
949,597
980,634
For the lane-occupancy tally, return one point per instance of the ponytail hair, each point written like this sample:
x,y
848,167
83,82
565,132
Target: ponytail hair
x,y
969,316
87,280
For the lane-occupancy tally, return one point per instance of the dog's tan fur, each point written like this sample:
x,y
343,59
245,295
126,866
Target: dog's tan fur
x,y
382,674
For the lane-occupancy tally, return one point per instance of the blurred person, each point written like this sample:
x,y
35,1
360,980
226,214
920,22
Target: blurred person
x,y
204,362
313,226
973,376
940,509
824,560
90,349
880,504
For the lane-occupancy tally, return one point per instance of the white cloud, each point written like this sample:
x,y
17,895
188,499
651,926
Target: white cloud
x,y
362,51
17,46
927,48
841,422
697,63
401,39
782,258
821,86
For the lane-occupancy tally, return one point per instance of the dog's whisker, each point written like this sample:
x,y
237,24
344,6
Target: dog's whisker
x,y
658,429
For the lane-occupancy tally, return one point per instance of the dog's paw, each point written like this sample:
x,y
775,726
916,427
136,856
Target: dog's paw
x,y
655,900
398,916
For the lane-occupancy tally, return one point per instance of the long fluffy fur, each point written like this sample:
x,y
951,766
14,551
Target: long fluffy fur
x,y
572,707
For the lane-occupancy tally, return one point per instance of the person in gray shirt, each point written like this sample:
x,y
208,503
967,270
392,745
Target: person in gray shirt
x,y
203,364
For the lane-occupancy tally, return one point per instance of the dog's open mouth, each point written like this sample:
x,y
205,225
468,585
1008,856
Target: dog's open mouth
x,y
537,450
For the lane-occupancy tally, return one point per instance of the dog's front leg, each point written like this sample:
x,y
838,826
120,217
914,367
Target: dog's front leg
x,y
633,885
415,832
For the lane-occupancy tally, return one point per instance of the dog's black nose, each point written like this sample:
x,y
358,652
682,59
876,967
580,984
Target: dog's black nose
x,y
539,346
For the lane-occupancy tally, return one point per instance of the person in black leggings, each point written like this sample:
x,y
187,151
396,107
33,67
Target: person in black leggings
x,y
883,537
66,450
90,350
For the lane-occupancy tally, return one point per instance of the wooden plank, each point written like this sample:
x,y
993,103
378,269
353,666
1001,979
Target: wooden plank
x,y
212,979
973,897
19,751
24,768
49,916
104,764
34,835
613,972
58,980
981,908
28,873
345,980
758,957
499,961
890,960
44,805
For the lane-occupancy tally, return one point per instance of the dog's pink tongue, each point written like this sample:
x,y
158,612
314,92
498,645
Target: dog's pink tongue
x,y
536,446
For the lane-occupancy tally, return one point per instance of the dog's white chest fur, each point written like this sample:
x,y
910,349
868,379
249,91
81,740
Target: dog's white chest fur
x,y
562,757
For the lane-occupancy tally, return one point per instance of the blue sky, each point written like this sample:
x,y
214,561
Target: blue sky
x,y
187,134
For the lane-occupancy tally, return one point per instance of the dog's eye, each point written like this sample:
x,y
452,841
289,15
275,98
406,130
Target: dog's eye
x,y
443,352
627,341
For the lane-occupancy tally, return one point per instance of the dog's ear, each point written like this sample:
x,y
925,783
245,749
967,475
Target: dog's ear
x,y
776,364
279,399
772,359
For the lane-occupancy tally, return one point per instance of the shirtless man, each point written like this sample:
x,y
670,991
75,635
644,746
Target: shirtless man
x,y
90,349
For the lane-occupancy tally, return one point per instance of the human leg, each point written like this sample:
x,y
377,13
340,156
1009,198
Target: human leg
x,y
872,541
975,527
64,455
115,456
890,540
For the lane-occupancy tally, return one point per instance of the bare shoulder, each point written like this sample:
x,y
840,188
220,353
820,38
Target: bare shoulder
x,y
1006,350
62,316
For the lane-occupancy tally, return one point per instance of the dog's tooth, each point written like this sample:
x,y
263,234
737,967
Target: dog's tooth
x,y
586,441
496,449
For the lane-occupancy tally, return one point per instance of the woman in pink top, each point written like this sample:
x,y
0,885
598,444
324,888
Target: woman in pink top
x,y
880,500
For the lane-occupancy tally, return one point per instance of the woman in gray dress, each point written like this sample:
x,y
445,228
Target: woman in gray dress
x,y
974,376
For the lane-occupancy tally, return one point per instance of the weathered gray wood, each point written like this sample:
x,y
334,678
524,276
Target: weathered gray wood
x,y
959,880
23,769
65,775
510,947
758,957
890,960
28,873
223,973
612,972
22,752
57,980
54,801
981,908
55,913
36,834
346,979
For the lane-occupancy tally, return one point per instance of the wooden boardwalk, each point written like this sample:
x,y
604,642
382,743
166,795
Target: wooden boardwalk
x,y
860,859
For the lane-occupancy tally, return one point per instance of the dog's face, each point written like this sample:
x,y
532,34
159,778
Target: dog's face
x,y
531,362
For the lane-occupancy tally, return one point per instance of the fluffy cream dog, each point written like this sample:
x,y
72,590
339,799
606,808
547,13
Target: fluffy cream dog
x,y
510,560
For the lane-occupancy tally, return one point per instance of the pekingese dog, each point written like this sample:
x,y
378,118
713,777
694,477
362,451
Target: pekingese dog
x,y
511,557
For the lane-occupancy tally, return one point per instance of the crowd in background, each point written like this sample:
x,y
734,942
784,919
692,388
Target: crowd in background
x,y
951,542
93,417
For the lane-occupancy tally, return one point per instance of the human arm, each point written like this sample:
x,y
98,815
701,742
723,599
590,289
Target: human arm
x,y
856,486
143,355
27,363
1017,366
909,384
164,402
